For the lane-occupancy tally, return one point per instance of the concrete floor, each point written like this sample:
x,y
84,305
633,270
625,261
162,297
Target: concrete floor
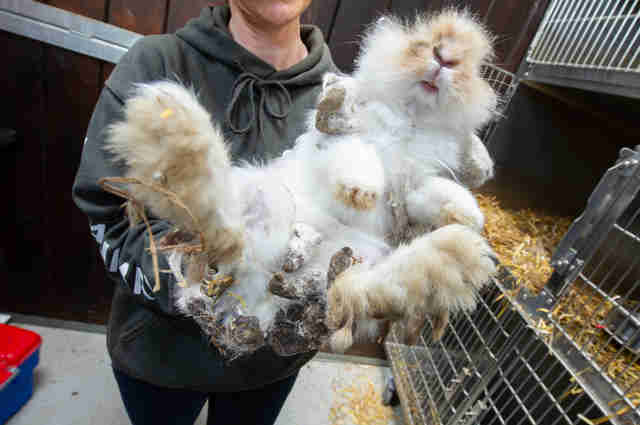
x,y
73,384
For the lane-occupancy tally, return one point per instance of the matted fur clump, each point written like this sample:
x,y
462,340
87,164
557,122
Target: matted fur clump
x,y
367,219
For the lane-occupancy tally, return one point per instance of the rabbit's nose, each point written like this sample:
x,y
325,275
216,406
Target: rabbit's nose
x,y
445,61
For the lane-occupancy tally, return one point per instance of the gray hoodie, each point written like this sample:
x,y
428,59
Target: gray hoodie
x,y
262,111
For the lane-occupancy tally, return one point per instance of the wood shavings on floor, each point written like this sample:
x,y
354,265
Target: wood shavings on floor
x,y
523,240
360,403
582,314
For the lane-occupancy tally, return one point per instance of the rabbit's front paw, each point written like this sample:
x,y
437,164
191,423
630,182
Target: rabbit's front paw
x,y
477,165
441,201
335,108
457,213
458,262
356,174
442,273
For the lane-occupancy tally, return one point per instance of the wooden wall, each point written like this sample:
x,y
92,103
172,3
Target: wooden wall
x,y
48,263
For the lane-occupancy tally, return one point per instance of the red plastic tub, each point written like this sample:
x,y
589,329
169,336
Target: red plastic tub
x,y
19,355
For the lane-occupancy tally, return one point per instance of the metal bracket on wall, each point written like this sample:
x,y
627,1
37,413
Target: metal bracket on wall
x,y
65,29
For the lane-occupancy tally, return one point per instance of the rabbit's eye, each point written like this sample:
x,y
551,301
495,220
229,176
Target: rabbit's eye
x,y
418,49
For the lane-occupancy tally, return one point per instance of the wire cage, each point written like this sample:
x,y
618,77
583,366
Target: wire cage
x,y
589,44
567,355
490,368
504,83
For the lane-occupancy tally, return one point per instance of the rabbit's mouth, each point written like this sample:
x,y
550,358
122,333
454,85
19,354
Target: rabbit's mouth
x,y
429,86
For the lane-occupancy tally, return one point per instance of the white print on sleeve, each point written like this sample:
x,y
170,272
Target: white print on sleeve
x,y
114,260
141,285
124,269
104,250
97,231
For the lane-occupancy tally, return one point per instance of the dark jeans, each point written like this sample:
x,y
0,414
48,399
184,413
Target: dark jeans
x,y
148,404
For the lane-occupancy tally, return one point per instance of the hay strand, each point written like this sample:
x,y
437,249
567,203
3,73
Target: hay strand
x,y
523,240
106,183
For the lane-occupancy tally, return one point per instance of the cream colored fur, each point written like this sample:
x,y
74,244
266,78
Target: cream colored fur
x,y
248,213
425,139
441,201
438,272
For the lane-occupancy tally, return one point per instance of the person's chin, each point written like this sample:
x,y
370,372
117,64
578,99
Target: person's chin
x,y
284,11
276,12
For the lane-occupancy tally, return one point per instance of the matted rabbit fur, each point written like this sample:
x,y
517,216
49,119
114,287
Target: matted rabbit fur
x,y
375,186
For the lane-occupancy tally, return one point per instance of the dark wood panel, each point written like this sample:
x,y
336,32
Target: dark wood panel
x,y
523,30
351,20
21,219
95,9
144,17
410,7
507,21
557,148
107,68
322,13
181,11
72,82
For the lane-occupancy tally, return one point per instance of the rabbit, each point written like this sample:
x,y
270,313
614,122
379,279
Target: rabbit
x,y
250,214
411,109
422,89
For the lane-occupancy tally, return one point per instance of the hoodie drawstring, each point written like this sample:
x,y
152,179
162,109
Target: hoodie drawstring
x,y
251,85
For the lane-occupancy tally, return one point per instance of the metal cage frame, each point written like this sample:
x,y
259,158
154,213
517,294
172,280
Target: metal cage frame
x,y
61,28
505,84
588,44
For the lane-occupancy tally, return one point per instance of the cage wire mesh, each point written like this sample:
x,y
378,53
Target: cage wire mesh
x,y
568,355
504,83
490,368
596,34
